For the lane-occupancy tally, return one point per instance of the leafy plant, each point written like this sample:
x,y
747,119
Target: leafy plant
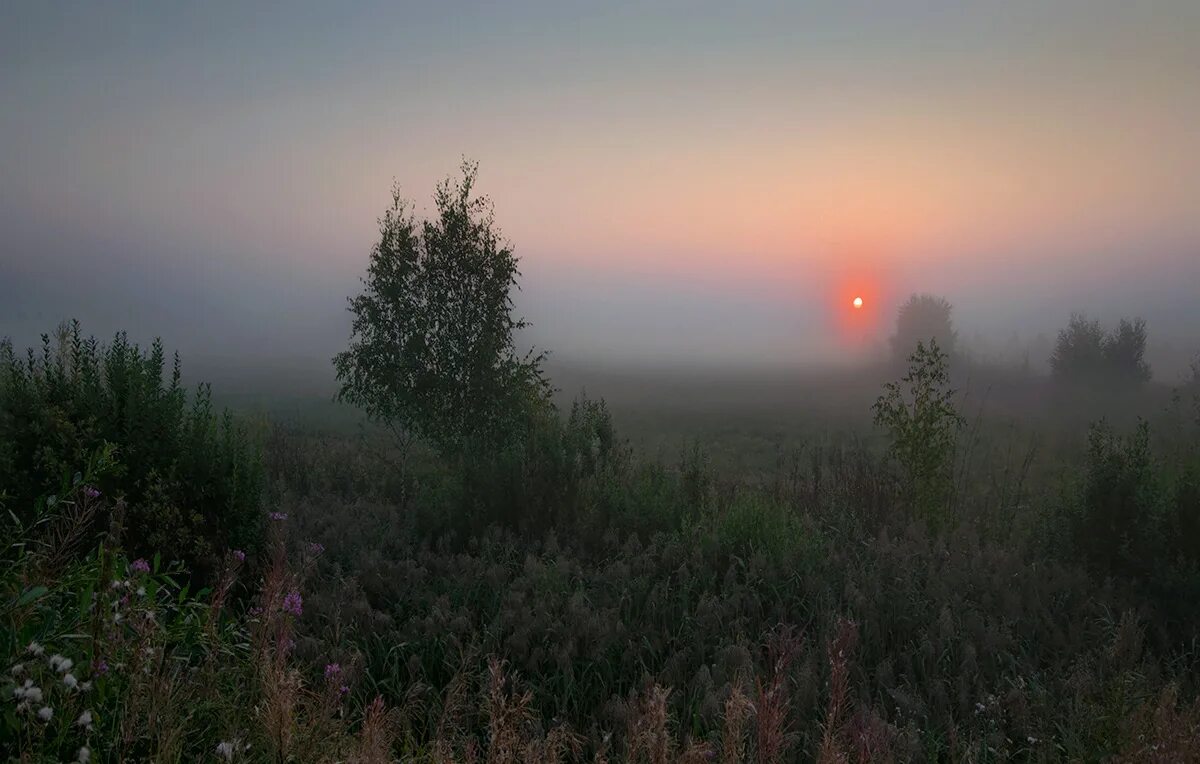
x,y
188,481
922,421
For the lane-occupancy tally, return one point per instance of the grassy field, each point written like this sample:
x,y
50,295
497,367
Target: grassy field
x,y
704,565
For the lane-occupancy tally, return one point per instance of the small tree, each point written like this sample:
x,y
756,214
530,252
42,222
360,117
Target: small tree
x,y
921,318
923,421
431,352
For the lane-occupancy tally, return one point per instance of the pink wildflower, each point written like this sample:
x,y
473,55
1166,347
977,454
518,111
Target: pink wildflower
x,y
293,603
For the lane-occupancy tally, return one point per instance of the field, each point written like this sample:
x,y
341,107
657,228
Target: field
x,y
696,565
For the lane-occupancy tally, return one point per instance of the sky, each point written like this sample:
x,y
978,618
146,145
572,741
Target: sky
x,y
700,181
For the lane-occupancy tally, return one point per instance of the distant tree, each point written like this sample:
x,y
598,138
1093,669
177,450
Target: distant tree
x,y
1079,350
1125,352
923,317
432,352
1085,352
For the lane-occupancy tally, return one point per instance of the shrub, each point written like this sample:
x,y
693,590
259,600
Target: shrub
x,y
922,421
1084,352
188,481
1138,515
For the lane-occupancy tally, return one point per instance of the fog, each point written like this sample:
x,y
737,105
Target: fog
x,y
685,190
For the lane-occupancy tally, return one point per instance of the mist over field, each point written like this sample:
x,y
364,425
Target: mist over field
x,y
615,382
680,187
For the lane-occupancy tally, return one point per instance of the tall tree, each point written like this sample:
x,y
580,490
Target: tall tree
x,y
432,350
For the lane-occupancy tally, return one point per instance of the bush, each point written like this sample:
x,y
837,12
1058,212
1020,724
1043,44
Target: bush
x,y
1119,528
1139,516
922,422
187,481
1085,353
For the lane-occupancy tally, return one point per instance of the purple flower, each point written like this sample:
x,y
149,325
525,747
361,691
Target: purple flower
x,y
293,603
255,611
91,492
239,555
278,516
316,547
343,690
139,566
101,668
332,671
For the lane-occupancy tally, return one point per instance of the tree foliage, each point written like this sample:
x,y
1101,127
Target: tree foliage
x,y
923,317
432,350
1085,352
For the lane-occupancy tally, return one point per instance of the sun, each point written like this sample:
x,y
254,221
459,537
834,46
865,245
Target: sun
x,y
858,302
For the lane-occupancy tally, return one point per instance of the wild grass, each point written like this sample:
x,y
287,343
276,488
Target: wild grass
x,y
563,598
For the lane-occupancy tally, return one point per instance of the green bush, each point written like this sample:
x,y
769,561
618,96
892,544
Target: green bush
x,y
922,421
557,472
188,481
1138,515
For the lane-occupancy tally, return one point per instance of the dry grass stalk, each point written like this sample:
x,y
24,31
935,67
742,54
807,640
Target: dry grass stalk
x,y
507,715
649,737
833,748
733,725
773,738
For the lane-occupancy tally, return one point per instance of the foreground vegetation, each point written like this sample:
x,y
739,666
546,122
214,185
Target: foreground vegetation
x,y
560,598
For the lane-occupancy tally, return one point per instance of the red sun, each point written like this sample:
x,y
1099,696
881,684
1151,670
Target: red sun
x,y
858,303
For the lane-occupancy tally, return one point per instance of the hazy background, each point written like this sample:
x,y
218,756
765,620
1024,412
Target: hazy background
x,y
693,183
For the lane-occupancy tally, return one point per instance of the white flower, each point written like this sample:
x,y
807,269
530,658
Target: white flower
x,y
17,669
35,649
61,664
116,618
84,755
141,591
45,713
31,693
70,681
85,686
225,750
85,719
